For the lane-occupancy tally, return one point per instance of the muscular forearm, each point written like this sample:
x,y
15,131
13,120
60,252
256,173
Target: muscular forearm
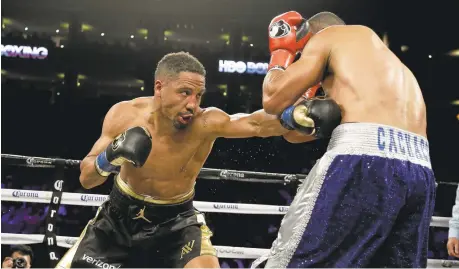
x,y
266,124
280,92
296,137
89,177
275,98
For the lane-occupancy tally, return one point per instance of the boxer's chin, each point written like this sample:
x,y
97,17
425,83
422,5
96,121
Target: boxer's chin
x,y
180,125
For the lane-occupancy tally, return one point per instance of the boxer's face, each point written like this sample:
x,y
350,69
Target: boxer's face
x,y
181,97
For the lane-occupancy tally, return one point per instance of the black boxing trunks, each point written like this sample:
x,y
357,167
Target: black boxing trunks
x,y
130,230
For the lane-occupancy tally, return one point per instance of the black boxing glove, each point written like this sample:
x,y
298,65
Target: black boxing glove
x,y
134,146
315,116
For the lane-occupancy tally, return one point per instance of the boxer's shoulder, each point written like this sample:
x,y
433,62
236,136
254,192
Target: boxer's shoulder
x,y
141,103
213,114
126,114
123,108
211,117
210,110
339,35
134,106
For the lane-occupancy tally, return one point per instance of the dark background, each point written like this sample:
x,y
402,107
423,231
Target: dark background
x,y
54,107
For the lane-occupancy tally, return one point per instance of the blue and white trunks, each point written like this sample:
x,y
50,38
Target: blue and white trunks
x,y
367,202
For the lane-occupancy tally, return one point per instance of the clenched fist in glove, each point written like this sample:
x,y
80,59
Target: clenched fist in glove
x,y
288,34
317,116
133,146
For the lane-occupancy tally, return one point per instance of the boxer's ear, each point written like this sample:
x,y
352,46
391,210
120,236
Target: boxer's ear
x,y
158,86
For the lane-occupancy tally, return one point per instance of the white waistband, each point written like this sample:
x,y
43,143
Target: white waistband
x,y
379,140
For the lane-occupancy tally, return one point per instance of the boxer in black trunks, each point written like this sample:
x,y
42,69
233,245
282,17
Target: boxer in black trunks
x,y
156,146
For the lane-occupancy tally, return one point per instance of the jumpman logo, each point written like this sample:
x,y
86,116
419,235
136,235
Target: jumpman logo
x,y
141,215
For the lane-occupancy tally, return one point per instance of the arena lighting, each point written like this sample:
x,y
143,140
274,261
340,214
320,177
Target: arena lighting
x,y
65,25
430,56
222,87
454,53
27,28
455,102
86,27
228,66
142,31
102,34
225,37
24,51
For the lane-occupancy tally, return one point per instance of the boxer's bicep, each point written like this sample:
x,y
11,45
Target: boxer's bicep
x,y
114,123
243,125
287,86
232,126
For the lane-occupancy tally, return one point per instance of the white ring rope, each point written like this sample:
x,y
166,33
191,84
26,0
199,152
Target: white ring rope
x,y
67,242
82,199
222,251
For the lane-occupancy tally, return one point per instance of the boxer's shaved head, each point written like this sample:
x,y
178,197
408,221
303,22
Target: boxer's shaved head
x,y
172,64
323,20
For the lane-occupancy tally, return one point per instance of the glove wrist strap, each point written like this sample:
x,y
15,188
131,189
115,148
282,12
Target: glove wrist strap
x,y
281,59
103,166
286,118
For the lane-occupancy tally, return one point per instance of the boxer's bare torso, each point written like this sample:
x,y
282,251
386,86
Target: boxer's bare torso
x,y
370,82
177,156
359,72
175,159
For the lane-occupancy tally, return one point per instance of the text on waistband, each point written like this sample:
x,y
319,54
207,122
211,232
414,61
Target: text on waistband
x,y
399,142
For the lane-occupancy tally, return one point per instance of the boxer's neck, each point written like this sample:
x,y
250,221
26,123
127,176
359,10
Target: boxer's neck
x,y
162,125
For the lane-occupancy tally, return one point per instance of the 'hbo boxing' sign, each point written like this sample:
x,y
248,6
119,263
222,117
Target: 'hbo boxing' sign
x,y
227,66
24,51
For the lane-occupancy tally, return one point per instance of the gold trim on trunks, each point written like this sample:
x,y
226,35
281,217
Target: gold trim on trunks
x,y
126,189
